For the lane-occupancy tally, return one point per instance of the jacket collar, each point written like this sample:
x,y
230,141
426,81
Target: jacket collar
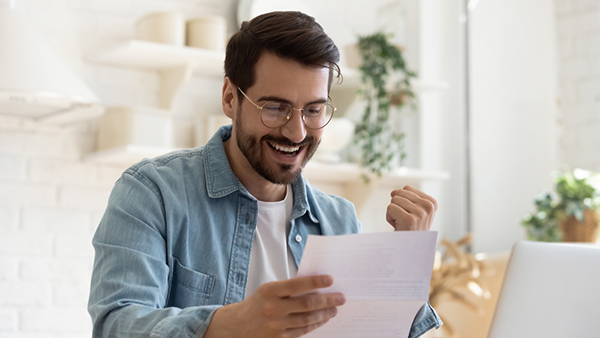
x,y
221,180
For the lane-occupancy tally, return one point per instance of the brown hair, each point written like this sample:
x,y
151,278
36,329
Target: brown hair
x,y
290,35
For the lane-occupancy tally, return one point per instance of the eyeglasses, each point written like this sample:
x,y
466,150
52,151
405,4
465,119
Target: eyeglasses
x,y
276,114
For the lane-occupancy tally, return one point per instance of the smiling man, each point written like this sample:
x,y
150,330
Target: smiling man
x,y
267,153
206,242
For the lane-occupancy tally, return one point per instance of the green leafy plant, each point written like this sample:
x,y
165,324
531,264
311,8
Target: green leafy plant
x,y
576,191
542,225
386,86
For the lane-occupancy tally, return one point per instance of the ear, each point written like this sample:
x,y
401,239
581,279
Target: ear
x,y
229,98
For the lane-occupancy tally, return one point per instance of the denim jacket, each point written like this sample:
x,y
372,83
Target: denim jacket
x,y
174,243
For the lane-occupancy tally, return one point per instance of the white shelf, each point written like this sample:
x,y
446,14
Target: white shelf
x,y
126,155
153,55
349,172
176,63
421,85
314,171
352,80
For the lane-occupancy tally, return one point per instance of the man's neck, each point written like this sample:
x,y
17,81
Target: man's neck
x,y
258,186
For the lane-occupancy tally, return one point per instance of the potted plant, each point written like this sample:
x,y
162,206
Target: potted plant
x,y
542,225
385,87
572,214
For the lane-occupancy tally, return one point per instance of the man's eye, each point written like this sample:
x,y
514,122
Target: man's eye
x,y
314,110
276,108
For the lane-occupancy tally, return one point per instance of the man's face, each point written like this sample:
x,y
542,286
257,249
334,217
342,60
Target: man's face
x,y
279,154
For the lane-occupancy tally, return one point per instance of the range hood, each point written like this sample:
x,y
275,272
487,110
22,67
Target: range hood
x,y
35,83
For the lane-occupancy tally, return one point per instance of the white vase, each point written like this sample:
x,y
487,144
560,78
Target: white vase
x,y
209,32
131,125
337,135
163,27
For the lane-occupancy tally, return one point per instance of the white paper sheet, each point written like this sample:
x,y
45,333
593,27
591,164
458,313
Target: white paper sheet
x,y
384,276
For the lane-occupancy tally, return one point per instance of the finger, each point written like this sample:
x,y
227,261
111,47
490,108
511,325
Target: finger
x,y
422,195
411,197
419,209
307,303
299,320
402,220
301,331
428,203
396,215
407,194
294,286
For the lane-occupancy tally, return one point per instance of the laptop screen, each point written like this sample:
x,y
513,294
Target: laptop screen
x,y
550,290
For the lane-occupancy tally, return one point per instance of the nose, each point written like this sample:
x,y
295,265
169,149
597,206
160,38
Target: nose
x,y
294,129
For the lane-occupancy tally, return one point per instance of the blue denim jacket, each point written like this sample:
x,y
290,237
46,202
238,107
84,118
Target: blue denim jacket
x,y
174,243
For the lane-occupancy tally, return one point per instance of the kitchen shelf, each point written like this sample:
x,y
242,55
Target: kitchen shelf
x,y
154,55
347,175
126,155
351,172
176,63
314,171
352,80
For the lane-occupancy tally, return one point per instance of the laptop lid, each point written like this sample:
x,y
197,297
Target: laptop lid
x,y
550,290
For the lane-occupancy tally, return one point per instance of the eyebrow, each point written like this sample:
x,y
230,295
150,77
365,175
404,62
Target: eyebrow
x,y
282,100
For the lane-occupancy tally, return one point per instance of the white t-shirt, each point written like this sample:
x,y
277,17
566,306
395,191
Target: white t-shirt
x,y
270,258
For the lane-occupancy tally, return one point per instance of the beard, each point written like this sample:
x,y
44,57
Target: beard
x,y
277,173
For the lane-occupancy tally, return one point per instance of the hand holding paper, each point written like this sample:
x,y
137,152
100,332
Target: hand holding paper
x,y
384,276
274,310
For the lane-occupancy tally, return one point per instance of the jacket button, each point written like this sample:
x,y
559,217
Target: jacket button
x,y
298,238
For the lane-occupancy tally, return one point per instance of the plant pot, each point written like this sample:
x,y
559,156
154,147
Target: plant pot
x,y
575,231
397,98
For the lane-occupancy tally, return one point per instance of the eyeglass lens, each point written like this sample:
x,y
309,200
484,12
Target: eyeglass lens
x,y
276,114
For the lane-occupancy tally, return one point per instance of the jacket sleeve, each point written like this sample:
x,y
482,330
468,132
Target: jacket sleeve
x,y
131,274
425,320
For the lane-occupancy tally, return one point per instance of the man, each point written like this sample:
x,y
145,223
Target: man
x,y
206,242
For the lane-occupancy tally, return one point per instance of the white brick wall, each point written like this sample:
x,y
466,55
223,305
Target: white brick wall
x,y
578,27
50,199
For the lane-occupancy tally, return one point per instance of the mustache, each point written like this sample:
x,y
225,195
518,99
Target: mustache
x,y
309,140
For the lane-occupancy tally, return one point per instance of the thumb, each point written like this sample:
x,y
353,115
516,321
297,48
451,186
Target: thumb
x,y
390,220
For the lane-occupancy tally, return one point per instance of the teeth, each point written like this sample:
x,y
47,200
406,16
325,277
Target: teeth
x,y
286,149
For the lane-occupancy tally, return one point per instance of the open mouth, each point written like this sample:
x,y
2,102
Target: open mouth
x,y
286,151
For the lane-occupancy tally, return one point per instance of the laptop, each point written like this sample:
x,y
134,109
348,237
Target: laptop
x,y
550,290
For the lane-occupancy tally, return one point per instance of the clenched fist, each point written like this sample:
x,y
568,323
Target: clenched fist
x,y
411,209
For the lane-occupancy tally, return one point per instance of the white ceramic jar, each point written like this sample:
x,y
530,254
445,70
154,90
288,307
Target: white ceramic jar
x,y
336,136
209,32
131,125
163,27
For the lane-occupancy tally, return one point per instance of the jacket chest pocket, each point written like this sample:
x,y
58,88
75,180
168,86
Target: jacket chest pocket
x,y
188,287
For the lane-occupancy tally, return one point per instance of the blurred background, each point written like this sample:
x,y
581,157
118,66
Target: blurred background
x,y
507,92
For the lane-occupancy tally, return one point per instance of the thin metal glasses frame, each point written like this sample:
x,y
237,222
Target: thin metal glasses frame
x,y
290,113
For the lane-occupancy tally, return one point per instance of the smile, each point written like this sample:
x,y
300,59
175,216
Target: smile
x,y
288,151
